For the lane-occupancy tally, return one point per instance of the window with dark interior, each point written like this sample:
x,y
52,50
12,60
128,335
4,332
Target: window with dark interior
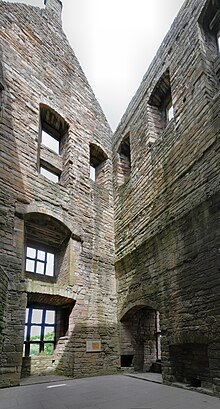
x,y
98,165
124,160
160,102
52,140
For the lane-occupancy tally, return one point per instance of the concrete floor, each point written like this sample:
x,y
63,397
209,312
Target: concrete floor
x,y
106,392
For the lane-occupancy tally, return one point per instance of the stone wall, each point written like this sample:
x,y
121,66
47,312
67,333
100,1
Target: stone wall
x,y
165,196
43,81
167,214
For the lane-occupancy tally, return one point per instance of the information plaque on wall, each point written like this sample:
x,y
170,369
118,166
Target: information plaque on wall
x,y
93,346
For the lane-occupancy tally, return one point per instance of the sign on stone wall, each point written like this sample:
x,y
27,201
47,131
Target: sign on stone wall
x,y
93,346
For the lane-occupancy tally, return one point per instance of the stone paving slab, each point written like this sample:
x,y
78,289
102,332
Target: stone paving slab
x,y
104,392
147,376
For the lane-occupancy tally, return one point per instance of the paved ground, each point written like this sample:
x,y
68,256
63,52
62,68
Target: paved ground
x,y
33,379
147,376
107,392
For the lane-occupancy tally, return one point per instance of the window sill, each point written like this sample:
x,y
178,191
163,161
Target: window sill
x,y
40,277
45,178
40,357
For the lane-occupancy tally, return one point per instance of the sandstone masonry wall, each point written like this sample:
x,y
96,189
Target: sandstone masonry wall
x,y
160,216
167,214
39,69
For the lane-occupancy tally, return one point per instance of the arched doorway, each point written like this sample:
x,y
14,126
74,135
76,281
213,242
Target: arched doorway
x,y
140,338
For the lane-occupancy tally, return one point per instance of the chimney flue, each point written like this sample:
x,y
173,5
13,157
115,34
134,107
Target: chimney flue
x,y
55,8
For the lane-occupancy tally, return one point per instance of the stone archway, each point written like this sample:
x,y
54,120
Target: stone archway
x,y
140,339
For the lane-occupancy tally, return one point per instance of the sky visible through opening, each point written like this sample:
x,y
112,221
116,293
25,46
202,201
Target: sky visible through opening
x,y
115,41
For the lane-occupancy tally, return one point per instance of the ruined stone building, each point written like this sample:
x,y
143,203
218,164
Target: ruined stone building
x,y
110,245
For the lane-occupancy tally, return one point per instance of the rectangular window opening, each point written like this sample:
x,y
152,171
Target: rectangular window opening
x,y
169,112
39,262
98,169
39,335
53,177
50,317
50,141
92,173
218,41
161,108
37,316
124,160
158,335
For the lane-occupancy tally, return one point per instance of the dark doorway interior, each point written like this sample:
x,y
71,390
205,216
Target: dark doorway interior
x,y
126,361
190,363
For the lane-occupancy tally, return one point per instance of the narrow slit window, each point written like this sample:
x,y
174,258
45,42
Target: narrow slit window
x,y
218,41
124,161
169,112
98,168
160,104
92,173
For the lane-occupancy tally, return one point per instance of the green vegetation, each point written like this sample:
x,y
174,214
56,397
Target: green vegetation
x,y
48,348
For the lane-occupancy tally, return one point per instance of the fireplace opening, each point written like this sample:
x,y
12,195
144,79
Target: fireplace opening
x,y
195,382
126,361
190,363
